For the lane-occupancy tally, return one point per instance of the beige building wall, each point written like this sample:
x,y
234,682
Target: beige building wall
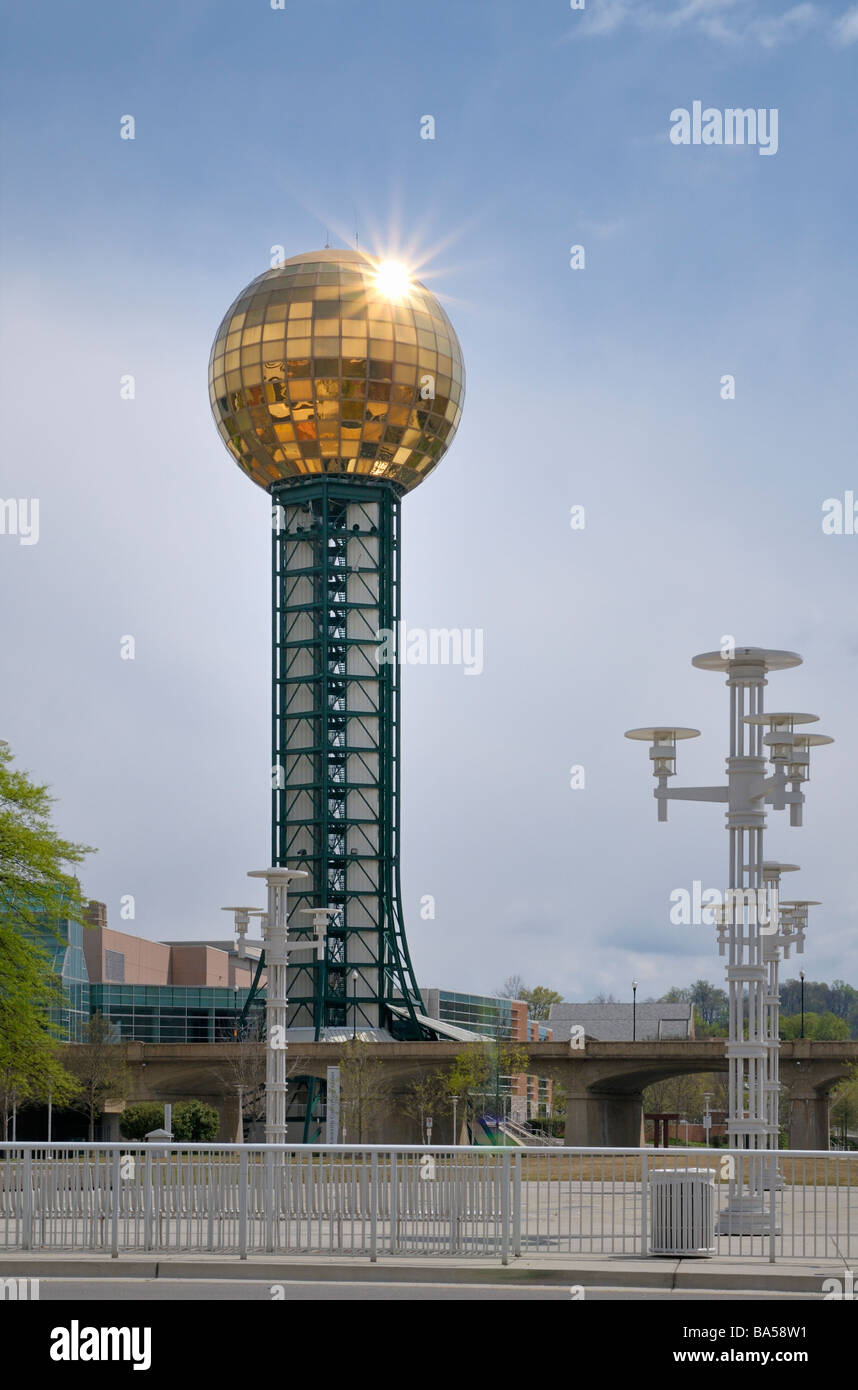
x,y
199,965
142,962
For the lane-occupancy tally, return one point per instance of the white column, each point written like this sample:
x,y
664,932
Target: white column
x,y
275,936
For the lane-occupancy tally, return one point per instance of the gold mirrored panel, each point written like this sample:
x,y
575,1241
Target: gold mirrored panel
x,y
332,364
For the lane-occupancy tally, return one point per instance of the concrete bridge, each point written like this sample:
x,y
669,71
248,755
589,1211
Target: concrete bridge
x,y
603,1081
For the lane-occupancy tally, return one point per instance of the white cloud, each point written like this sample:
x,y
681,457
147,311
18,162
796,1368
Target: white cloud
x,y
728,21
792,24
846,28
608,16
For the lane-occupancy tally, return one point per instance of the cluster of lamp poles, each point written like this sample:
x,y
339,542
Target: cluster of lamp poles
x,y
274,926
753,939
276,938
276,942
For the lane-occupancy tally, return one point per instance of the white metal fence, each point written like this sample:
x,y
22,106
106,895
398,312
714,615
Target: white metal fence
x,y
376,1201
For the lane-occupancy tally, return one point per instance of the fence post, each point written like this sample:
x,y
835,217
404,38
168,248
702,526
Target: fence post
x,y
114,1210
394,1204
644,1201
505,1189
147,1200
27,1212
270,1202
773,1197
373,1209
516,1207
454,1184
242,1204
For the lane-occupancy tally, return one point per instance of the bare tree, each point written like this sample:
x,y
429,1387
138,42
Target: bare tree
x,y
427,1095
99,1065
363,1089
243,1072
511,988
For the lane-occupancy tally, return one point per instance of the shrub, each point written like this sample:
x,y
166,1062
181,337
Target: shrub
x,y
194,1122
136,1121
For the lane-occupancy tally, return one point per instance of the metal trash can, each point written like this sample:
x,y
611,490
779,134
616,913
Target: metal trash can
x,y
682,1212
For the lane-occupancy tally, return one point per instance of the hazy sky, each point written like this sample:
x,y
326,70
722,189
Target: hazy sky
x,y
599,387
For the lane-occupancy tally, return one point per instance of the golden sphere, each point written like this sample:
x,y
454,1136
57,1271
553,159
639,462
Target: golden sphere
x,y
336,363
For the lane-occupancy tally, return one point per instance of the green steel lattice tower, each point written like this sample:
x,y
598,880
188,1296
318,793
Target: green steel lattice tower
x,y
337,384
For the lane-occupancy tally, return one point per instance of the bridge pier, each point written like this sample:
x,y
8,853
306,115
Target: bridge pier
x,y
808,1083
809,1120
604,1120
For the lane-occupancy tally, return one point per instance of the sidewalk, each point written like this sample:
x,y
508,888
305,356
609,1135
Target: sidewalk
x,y
718,1275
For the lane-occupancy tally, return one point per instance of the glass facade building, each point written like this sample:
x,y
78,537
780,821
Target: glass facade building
x,y
140,1013
63,943
175,1013
481,1013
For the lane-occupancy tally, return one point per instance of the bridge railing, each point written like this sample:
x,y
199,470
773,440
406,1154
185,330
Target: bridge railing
x,y
373,1200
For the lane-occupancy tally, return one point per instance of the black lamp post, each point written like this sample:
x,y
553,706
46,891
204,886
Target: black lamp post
x,y
354,1005
801,977
634,1009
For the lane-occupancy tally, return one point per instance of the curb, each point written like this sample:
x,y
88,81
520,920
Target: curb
x,y
667,1275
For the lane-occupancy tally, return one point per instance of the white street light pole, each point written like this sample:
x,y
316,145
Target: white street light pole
x,y
242,916
321,921
275,936
743,929
774,943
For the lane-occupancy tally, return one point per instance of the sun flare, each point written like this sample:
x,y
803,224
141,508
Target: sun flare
x,y
392,279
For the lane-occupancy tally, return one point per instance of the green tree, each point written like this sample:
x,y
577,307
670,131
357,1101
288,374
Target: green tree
x,y
36,890
823,1027
194,1122
844,1110
711,1003
31,1069
477,1071
137,1120
539,1001
99,1065
469,1077
840,999
711,1006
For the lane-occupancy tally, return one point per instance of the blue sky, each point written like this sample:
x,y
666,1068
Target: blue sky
x,y
599,387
